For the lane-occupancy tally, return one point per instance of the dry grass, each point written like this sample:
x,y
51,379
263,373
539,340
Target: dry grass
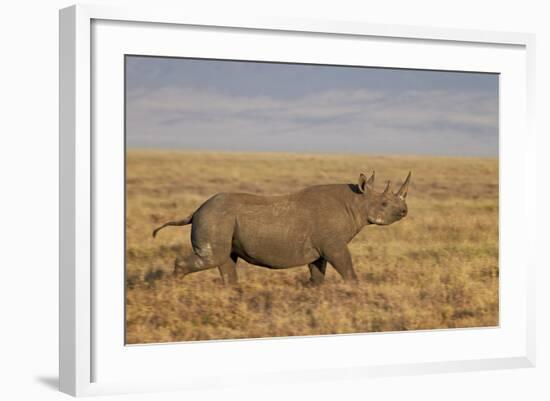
x,y
438,268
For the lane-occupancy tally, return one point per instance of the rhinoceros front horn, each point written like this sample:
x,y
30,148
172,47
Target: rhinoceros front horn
x,y
402,193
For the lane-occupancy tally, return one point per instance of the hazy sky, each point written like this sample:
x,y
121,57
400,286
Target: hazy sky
x,y
248,106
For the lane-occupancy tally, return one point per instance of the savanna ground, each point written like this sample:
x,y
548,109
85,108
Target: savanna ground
x,y
437,268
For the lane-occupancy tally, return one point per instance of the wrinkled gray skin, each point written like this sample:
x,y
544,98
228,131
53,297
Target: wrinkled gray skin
x,y
309,227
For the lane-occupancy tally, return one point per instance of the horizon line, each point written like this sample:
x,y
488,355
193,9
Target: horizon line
x,y
329,153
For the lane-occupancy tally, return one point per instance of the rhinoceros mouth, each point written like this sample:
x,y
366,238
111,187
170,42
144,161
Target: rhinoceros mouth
x,y
378,220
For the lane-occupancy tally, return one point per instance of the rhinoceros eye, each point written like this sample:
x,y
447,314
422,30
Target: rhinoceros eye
x,y
384,204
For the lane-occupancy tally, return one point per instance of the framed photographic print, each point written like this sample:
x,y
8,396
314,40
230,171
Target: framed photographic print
x,y
276,200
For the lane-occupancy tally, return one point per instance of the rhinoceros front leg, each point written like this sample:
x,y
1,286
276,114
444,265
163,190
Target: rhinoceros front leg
x,y
340,258
317,271
228,271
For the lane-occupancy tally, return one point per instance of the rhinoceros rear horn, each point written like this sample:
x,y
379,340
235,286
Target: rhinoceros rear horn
x,y
388,187
366,183
402,193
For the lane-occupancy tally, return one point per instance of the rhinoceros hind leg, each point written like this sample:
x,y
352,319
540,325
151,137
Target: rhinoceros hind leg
x,y
194,263
228,271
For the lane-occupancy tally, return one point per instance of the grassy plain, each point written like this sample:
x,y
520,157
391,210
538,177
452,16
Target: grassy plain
x,y
437,268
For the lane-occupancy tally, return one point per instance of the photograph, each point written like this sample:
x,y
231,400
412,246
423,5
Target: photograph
x,y
270,199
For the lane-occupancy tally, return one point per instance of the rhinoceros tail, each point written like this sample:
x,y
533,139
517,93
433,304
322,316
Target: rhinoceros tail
x,y
183,222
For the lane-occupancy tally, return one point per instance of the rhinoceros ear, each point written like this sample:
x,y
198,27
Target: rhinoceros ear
x,y
366,183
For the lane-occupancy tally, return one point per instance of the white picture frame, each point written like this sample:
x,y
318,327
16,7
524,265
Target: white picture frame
x,y
93,357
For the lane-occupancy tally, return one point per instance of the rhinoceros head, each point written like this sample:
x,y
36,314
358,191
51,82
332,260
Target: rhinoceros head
x,y
386,207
